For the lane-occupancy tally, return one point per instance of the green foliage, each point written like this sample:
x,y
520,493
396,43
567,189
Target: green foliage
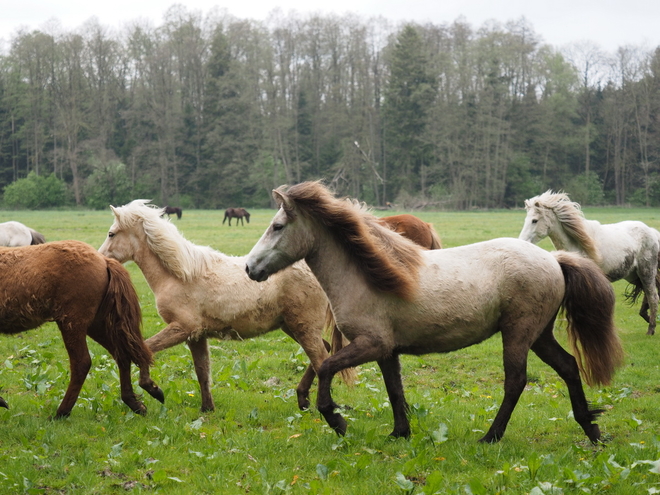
x,y
35,191
586,189
109,184
257,441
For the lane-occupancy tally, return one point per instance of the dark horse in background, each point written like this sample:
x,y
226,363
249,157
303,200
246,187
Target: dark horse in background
x,y
238,214
171,210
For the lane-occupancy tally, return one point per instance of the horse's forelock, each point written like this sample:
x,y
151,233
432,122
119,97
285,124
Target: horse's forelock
x,y
390,262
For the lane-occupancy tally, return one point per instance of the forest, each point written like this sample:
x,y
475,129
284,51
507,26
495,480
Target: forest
x,y
211,111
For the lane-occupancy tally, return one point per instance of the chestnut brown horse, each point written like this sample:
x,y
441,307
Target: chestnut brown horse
x,y
414,228
238,214
86,294
422,301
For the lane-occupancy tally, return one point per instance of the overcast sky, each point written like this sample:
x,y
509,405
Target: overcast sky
x,y
609,23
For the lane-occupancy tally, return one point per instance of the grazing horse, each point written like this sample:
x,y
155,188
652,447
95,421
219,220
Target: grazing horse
x,y
626,250
422,301
86,294
171,210
413,228
238,214
14,234
202,293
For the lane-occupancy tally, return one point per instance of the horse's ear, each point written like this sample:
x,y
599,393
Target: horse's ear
x,y
283,200
114,210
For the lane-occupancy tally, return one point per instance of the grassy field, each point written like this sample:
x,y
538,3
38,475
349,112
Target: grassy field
x,y
257,441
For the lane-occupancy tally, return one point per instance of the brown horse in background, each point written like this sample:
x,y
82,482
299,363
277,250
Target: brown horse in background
x,y
85,293
413,228
171,210
238,214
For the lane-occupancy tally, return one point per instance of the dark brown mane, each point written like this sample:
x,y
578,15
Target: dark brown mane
x,y
389,261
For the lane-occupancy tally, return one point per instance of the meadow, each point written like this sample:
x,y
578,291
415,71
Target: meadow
x,y
257,441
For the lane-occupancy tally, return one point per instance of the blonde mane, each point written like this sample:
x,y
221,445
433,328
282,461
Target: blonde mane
x,y
570,216
181,257
389,261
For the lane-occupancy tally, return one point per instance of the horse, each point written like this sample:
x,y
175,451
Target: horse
x,y
421,301
238,214
627,250
86,294
202,293
171,210
14,234
413,228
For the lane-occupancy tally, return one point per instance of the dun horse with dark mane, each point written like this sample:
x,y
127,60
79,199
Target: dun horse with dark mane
x,y
86,294
441,300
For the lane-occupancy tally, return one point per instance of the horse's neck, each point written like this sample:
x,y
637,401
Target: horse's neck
x,y
335,270
562,241
152,267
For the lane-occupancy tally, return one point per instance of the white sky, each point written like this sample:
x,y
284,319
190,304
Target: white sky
x,y
608,23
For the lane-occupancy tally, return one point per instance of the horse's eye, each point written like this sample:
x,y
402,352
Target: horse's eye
x,y
111,234
278,226
535,221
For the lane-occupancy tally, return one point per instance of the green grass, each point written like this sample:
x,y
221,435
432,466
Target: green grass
x,y
258,442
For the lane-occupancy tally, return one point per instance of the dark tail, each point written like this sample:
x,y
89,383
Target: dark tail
x,y
436,243
589,307
37,238
122,315
349,375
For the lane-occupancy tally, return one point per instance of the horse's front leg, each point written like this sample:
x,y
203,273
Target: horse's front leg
x,y
3,403
79,363
391,369
199,348
361,350
169,336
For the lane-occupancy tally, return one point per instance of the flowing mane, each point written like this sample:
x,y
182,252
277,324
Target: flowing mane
x,y
182,258
389,261
570,216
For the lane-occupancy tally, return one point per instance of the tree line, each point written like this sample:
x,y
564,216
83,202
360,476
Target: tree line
x,y
211,111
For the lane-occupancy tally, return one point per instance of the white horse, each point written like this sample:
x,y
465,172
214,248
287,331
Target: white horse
x,y
203,293
14,234
626,250
390,297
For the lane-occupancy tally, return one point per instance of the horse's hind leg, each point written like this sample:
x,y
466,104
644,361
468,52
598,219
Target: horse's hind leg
x,y
98,333
3,403
79,363
550,352
200,353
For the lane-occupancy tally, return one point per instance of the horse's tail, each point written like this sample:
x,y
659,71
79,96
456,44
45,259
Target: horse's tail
x,y
349,375
436,243
121,313
37,238
179,213
223,220
589,308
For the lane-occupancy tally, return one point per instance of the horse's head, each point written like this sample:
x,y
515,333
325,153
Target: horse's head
x,y
286,240
537,222
121,243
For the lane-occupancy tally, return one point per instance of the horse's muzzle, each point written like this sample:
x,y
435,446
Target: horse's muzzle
x,y
256,275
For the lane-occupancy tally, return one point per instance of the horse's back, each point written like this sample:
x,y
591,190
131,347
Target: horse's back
x,y
466,293
49,278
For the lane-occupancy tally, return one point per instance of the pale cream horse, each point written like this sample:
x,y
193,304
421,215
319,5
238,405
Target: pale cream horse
x,y
390,297
625,250
202,293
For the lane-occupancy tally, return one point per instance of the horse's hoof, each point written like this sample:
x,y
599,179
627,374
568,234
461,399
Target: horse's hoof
x,y
157,394
141,410
210,408
338,423
400,434
3,403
